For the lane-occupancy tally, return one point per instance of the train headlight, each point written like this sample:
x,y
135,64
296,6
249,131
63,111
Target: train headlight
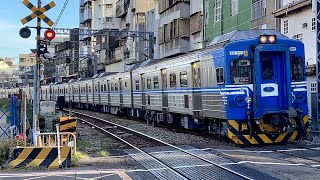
x,y
248,100
272,39
263,39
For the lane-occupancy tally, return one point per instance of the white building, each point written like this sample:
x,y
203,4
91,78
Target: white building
x,y
298,21
105,18
85,46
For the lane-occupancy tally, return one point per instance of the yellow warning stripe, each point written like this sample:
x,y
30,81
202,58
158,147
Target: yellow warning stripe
x,y
21,157
36,156
68,126
64,152
41,157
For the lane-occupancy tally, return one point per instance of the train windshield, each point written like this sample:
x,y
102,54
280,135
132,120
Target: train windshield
x,y
296,64
240,71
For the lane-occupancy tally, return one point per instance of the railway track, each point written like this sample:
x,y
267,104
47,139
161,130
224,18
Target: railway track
x,y
162,167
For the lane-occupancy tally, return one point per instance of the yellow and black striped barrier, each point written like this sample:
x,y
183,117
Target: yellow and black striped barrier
x,y
264,138
68,124
38,12
40,157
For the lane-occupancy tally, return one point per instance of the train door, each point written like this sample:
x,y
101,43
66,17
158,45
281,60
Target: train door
x,y
98,91
109,98
197,100
272,81
87,92
143,88
120,91
164,89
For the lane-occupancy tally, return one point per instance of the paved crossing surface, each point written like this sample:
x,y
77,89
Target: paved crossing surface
x,y
81,174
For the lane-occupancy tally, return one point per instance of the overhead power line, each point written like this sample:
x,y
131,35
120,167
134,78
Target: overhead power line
x,y
61,13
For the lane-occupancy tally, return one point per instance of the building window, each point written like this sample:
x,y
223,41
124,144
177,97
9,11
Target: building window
x,y
313,87
234,7
220,75
183,79
173,80
286,26
109,6
217,10
148,83
258,9
298,37
155,82
313,24
109,19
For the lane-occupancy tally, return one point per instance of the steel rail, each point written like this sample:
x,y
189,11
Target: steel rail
x,y
136,148
165,143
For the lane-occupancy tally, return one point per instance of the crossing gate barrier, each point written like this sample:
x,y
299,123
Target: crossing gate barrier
x,y
46,157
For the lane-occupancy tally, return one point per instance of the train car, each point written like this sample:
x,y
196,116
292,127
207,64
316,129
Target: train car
x,y
247,85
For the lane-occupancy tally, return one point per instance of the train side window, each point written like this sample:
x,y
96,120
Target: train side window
x,y
173,80
112,87
105,88
184,79
155,82
240,71
89,89
101,88
220,75
116,87
297,67
267,69
137,85
148,83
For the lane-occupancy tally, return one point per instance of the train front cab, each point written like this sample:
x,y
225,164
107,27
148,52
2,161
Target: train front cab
x,y
274,109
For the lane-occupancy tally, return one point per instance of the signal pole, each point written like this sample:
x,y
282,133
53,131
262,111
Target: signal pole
x,y
36,83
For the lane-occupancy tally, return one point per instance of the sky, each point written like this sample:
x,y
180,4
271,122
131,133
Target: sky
x,y
12,11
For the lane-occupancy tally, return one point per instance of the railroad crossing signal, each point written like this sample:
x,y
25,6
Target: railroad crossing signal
x,y
38,12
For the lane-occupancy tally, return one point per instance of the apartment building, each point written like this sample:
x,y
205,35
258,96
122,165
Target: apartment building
x,y
105,18
26,70
85,46
224,16
180,26
9,73
132,16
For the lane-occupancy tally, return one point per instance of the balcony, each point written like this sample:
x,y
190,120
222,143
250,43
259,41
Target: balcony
x,y
122,8
85,1
175,47
87,14
119,53
101,46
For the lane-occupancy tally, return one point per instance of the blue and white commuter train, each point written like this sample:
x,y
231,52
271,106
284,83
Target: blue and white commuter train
x,y
247,85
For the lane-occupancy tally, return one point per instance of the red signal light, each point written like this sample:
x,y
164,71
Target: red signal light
x,y
49,34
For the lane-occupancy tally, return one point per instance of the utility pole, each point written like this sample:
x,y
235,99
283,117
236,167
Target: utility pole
x,y
36,84
315,124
